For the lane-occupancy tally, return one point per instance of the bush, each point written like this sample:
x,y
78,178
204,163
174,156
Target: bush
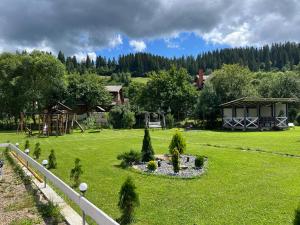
x,y
147,150
177,143
76,172
120,116
27,145
129,158
37,151
128,200
52,160
90,122
151,165
199,161
169,121
52,211
175,161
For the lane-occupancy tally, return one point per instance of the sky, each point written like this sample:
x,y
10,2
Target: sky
x,y
164,27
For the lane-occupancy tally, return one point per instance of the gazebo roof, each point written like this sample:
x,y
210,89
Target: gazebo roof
x,y
252,101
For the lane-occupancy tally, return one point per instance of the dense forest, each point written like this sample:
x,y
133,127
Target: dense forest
x,y
277,57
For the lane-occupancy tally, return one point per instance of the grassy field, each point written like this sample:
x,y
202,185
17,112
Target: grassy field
x,y
241,186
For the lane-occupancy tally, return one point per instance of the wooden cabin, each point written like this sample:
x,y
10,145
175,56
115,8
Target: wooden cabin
x,y
252,113
117,93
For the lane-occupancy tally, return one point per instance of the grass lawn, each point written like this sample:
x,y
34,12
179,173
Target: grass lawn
x,y
240,187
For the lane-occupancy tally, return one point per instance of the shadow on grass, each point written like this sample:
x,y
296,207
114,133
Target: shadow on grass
x,y
297,216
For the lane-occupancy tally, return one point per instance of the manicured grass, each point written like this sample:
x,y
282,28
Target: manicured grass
x,y
240,187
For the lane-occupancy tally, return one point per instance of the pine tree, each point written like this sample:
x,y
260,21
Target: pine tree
x,y
37,151
52,160
147,150
128,200
76,172
61,57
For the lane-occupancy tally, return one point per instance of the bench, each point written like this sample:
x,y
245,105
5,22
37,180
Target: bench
x,y
291,125
154,125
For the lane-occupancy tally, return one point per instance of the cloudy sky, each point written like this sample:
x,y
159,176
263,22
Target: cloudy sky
x,y
166,27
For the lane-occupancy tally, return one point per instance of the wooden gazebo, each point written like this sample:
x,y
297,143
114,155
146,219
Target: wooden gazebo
x,y
256,113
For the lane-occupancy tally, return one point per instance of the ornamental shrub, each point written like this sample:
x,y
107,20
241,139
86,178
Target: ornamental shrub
x,y
147,150
37,151
175,161
129,158
169,121
199,161
178,143
76,172
151,165
52,160
128,200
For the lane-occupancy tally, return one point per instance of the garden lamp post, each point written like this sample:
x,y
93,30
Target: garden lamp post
x,y
83,187
45,163
17,145
27,153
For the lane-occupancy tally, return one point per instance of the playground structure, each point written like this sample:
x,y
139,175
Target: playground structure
x,y
57,120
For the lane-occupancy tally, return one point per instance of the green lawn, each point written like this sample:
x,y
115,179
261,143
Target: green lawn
x,y
240,187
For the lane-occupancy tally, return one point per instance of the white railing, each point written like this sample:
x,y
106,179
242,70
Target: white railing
x,y
281,121
251,122
89,208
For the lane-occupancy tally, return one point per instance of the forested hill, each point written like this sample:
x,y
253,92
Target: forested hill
x,y
275,57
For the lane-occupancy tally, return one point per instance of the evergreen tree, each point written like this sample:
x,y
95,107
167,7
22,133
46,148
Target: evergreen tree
x,y
88,62
128,200
61,57
52,160
177,143
147,150
76,172
37,150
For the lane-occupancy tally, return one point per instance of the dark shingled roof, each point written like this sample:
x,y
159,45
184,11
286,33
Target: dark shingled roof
x,y
250,101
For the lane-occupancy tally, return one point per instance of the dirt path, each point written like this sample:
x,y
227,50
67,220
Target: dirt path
x,y
17,205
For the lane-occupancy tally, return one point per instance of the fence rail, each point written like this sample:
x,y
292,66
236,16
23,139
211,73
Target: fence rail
x,y
89,208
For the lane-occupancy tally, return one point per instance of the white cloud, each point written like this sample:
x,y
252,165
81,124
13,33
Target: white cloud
x,y
233,36
115,41
81,56
138,46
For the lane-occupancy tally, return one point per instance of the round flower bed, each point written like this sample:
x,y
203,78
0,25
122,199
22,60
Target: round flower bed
x,y
165,167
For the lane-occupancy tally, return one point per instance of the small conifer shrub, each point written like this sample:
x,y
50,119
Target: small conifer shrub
x,y
76,172
147,150
178,143
27,144
175,161
52,160
37,150
128,201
